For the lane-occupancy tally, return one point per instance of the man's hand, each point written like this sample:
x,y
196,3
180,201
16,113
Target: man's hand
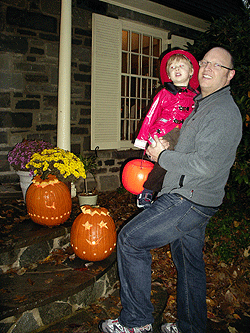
x,y
153,152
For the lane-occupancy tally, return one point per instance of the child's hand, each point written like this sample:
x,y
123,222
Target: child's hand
x,y
154,152
164,142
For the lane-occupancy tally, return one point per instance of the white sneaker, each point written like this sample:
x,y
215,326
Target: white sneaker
x,y
169,328
113,326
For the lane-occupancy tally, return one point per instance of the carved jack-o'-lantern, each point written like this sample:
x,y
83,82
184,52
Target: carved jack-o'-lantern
x,y
134,175
48,201
93,234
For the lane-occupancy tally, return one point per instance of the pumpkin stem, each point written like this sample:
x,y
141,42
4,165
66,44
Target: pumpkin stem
x,y
45,174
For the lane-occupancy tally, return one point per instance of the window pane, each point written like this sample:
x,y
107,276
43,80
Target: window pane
x,y
132,129
133,109
156,68
122,130
127,92
123,86
138,91
144,107
156,47
126,108
125,40
122,107
135,45
155,86
133,87
146,45
144,88
150,87
125,62
145,66
138,113
134,64
127,130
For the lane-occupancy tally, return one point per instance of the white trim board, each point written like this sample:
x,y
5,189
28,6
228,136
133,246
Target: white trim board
x,y
162,12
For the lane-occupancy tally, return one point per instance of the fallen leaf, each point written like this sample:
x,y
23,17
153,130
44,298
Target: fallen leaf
x,y
247,252
20,299
21,271
236,316
210,302
236,224
229,297
30,281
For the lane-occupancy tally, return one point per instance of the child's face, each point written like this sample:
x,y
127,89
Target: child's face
x,y
180,72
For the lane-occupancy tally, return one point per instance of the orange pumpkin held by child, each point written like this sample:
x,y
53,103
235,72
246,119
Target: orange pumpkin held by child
x,y
93,234
48,201
134,175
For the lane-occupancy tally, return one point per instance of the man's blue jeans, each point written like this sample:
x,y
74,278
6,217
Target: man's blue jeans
x,y
170,220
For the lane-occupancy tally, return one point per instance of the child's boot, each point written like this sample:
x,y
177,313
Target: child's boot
x,y
144,199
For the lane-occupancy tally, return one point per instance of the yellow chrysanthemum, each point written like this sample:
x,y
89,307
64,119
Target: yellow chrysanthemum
x,y
58,162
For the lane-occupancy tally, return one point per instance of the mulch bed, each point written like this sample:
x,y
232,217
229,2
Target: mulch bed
x,y
228,290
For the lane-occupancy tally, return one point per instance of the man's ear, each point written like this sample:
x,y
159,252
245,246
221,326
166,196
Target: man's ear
x,y
231,74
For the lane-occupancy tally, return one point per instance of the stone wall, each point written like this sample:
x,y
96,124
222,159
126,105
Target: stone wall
x,y
29,46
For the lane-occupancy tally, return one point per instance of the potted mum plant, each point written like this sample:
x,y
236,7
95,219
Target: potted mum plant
x,y
88,196
63,164
48,199
20,155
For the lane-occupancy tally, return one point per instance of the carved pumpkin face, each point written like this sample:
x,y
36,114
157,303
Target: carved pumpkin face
x,y
48,201
134,175
93,234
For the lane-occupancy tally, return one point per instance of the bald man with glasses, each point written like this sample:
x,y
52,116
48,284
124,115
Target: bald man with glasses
x,y
193,190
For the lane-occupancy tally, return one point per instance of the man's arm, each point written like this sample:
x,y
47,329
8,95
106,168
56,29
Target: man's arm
x,y
215,146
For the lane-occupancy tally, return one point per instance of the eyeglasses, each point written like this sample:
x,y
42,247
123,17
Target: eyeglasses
x,y
217,66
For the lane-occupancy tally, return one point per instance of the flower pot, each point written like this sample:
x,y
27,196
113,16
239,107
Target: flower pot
x,y
90,199
25,181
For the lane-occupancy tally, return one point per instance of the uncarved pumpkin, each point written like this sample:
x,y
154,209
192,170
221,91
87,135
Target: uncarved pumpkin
x,y
48,201
134,175
93,234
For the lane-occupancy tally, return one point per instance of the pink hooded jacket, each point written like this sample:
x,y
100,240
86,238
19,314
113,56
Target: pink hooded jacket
x,y
171,106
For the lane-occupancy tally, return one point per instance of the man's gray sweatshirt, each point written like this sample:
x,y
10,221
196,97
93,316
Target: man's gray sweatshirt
x,y
199,167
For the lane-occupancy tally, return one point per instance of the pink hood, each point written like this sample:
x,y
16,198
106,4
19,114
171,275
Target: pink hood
x,y
194,83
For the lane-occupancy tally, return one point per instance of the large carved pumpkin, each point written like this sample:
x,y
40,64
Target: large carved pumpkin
x,y
93,234
48,201
134,175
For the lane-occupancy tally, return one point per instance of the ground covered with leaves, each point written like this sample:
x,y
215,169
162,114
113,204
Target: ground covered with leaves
x,y
227,257
226,254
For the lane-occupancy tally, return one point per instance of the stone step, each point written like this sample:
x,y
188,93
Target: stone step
x,y
86,320
24,242
34,289
37,294
50,292
10,190
31,243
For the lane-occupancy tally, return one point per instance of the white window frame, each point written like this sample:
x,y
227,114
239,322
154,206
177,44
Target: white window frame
x,y
106,77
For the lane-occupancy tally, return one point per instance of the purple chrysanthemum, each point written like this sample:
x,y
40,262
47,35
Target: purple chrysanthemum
x,y
21,154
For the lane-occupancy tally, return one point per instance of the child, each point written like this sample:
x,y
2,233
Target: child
x,y
171,106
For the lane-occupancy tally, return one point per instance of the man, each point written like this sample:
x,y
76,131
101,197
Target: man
x,y
193,189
